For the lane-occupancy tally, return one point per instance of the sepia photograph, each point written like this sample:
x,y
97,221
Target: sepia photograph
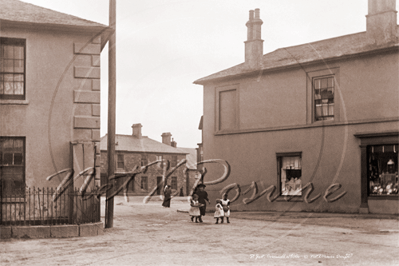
x,y
182,132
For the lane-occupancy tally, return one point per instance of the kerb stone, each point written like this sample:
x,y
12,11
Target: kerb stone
x,y
64,231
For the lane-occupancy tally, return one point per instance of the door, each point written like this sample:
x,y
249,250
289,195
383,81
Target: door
x,y
159,185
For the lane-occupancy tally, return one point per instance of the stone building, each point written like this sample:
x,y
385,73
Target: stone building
x,y
49,114
138,150
49,94
312,127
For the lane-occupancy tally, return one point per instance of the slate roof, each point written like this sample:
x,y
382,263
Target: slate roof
x,y
295,56
18,11
143,144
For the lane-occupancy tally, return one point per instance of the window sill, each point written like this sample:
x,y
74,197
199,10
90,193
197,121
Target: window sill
x,y
14,102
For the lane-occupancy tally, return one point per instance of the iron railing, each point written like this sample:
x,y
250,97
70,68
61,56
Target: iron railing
x,y
44,206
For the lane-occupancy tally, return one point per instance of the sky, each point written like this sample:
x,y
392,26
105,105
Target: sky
x,y
163,46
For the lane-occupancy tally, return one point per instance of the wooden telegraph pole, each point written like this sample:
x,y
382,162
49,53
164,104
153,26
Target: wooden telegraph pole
x,y
109,205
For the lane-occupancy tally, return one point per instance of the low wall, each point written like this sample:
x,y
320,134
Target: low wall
x,y
52,231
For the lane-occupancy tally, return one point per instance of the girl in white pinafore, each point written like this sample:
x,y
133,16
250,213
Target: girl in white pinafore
x,y
226,207
219,213
194,211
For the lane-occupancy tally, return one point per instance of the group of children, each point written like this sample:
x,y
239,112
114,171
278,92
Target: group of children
x,y
222,209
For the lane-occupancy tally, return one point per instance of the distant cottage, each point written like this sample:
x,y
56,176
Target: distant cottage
x,y
312,127
138,150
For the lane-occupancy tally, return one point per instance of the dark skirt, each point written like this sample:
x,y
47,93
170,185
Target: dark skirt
x,y
202,210
166,202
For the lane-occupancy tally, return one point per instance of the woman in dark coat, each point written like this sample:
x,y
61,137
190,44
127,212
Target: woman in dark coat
x,y
202,198
167,196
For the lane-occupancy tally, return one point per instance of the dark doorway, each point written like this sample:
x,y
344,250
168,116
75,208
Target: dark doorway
x,y
159,185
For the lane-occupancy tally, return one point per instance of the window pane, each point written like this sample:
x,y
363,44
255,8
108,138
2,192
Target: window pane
x,y
8,77
290,175
12,166
18,145
174,182
331,109
17,158
144,182
383,170
8,145
120,161
19,77
12,61
324,102
317,84
8,52
18,88
19,66
330,82
8,88
8,65
18,52
7,159
324,83
144,160
13,180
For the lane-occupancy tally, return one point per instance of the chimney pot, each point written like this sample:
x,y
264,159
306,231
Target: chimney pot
x,y
137,130
250,26
251,15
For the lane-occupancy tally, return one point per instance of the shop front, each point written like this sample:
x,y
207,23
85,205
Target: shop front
x,y
379,172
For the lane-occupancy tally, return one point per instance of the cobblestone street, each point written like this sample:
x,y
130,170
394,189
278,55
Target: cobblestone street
x,y
148,234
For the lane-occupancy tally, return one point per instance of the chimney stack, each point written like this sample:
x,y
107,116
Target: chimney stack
x,y
166,138
137,130
174,143
254,43
381,21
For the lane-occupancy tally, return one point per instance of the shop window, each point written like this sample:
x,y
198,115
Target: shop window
x,y
12,166
121,161
144,159
12,68
382,170
144,183
290,174
174,182
323,89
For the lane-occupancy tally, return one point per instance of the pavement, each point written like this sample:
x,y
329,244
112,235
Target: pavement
x,y
148,234
273,215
